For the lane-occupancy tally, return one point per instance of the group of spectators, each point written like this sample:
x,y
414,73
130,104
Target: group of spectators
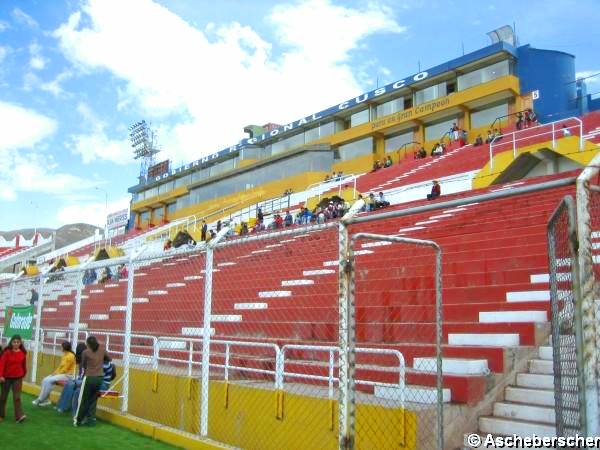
x,y
84,375
383,165
526,119
372,202
106,275
458,134
334,176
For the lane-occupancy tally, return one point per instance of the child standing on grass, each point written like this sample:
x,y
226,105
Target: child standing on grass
x,y
92,360
13,368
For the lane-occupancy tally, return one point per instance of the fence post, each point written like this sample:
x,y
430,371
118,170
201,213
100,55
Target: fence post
x,y
13,290
205,377
438,345
38,320
514,142
127,339
588,296
347,341
553,137
77,312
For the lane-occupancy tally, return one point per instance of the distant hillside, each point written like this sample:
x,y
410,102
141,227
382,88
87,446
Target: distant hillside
x,y
65,235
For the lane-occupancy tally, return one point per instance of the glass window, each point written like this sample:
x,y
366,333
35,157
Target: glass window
x,y
483,75
430,93
393,143
165,187
152,192
356,149
436,131
183,201
183,181
145,216
390,107
359,117
485,117
171,208
200,175
158,215
287,144
221,167
319,132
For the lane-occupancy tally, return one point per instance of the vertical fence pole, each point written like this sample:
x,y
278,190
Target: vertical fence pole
x,y
588,296
77,313
208,273
127,342
438,347
38,320
347,341
553,136
13,292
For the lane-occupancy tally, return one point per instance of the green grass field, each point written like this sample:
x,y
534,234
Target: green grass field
x,y
47,429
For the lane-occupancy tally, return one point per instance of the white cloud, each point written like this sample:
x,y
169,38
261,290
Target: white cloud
x,y
92,212
590,79
23,18
55,86
217,80
4,26
37,61
96,145
23,128
22,167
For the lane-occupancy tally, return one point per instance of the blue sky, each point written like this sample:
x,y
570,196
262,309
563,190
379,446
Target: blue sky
x,y
75,74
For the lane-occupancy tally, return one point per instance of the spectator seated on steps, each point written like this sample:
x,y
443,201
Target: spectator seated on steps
x,y
478,141
388,162
289,220
436,191
381,201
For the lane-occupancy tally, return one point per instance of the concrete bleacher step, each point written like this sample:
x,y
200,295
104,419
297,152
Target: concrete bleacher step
x,y
459,366
541,397
412,394
509,427
541,366
484,339
545,353
532,413
512,316
535,380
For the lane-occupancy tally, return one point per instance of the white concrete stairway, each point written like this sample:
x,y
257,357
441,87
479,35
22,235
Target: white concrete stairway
x,y
528,406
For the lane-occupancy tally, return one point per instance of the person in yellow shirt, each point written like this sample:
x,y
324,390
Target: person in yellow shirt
x,y
64,372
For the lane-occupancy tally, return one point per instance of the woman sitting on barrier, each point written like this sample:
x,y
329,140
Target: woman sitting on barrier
x,y
64,372
67,395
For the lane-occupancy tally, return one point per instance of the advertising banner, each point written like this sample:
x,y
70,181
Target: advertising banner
x,y
18,320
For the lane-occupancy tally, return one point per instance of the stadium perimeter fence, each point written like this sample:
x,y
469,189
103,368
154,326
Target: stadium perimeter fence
x,y
268,341
282,339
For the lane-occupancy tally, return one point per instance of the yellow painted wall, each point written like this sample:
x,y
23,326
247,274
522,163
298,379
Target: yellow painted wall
x,y
567,147
251,417
355,166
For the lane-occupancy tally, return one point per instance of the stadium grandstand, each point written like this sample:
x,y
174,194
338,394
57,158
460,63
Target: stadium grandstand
x,y
403,269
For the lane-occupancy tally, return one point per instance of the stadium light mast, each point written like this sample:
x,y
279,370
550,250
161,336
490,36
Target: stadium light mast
x,y
143,141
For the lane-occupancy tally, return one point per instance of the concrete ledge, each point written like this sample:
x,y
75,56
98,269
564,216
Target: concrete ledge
x,y
145,427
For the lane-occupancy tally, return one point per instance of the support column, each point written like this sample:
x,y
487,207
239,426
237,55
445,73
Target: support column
x,y
379,141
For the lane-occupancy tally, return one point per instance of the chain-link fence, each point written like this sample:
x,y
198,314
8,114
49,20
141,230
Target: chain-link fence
x,y
258,341
567,339
396,287
588,231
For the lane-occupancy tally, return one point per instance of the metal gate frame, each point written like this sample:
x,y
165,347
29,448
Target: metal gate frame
x,y
347,333
560,326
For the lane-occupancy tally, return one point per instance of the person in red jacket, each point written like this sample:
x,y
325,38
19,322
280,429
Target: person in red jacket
x,y
13,368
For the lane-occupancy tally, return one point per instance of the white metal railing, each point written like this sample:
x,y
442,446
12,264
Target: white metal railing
x,y
69,248
524,135
53,337
323,186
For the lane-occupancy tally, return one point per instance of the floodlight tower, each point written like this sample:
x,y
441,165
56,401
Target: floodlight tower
x,y
143,141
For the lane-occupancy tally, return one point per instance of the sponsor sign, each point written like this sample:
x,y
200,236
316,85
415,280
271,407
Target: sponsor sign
x,y
18,320
118,219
